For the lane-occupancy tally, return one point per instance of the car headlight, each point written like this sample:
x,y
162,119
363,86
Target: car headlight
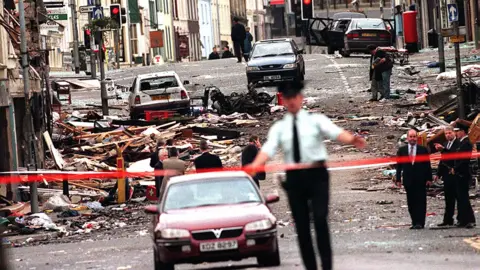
x,y
252,68
293,65
260,225
174,233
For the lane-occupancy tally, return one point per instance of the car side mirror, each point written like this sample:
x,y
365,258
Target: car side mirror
x,y
186,82
272,198
152,210
300,51
130,89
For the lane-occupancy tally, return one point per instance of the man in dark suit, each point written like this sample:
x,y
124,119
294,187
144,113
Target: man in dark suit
x,y
238,37
207,160
154,158
249,154
463,176
416,176
444,172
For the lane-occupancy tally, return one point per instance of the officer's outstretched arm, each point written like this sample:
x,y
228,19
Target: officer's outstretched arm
x,y
348,138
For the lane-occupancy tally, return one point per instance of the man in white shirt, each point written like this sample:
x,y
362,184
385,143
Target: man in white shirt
x,y
300,135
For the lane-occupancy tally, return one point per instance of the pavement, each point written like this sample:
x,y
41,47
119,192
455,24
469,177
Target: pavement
x,y
366,235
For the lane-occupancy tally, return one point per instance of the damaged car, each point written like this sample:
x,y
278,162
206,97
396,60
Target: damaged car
x,y
158,91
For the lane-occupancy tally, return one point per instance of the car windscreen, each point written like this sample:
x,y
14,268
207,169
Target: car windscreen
x,y
368,24
272,49
217,191
158,83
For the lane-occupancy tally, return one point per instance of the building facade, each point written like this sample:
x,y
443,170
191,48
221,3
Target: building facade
x,y
222,22
256,18
206,27
187,30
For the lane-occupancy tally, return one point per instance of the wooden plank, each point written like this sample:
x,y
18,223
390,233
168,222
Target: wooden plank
x,y
115,132
57,157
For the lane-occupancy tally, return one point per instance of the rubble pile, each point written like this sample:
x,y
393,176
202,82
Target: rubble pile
x,y
90,143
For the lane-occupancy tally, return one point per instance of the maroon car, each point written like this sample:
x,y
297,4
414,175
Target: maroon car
x,y
212,217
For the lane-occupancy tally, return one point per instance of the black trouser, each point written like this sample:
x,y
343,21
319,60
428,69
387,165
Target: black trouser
x,y
238,49
308,191
417,203
465,211
450,190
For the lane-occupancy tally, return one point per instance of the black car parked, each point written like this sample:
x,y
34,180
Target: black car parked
x,y
363,32
275,60
332,32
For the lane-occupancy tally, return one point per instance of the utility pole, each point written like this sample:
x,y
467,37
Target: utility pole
x,y
328,9
287,25
93,62
441,49
75,36
458,67
116,39
130,51
218,25
28,124
103,88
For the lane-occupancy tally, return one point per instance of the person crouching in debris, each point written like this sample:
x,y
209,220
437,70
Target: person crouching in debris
x,y
463,177
444,172
300,135
416,176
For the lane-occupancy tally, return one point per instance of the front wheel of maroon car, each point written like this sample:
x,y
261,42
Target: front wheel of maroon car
x,y
271,259
159,265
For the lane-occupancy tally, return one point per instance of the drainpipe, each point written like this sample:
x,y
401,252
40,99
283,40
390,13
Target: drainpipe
x,y
218,25
13,135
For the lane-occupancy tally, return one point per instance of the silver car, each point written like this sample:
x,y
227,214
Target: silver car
x,y
158,91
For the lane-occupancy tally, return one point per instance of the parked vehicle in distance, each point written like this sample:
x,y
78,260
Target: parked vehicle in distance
x,y
212,217
158,91
275,60
363,32
330,32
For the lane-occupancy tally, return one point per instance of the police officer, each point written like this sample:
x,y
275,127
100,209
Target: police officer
x,y
300,135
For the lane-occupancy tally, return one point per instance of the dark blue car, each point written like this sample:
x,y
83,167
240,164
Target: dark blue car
x,y
275,60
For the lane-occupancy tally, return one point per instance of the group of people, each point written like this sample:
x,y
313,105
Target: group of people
x,y
381,66
455,173
242,43
167,157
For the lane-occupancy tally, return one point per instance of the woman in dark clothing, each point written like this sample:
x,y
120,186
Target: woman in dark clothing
x,y
248,44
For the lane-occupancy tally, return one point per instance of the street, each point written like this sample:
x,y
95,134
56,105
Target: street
x,y
366,234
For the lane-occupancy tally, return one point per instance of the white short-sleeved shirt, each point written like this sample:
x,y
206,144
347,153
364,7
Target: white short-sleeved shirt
x,y
312,130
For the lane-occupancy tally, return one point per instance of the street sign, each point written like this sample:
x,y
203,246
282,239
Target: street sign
x,y
450,32
457,39
452,12
97,13
86,9
58,17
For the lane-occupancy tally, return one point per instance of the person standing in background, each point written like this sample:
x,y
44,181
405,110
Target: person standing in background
x,y
463,177
207,160
445,173
238,37
249,153
416,176
174,165
248,44
154,158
